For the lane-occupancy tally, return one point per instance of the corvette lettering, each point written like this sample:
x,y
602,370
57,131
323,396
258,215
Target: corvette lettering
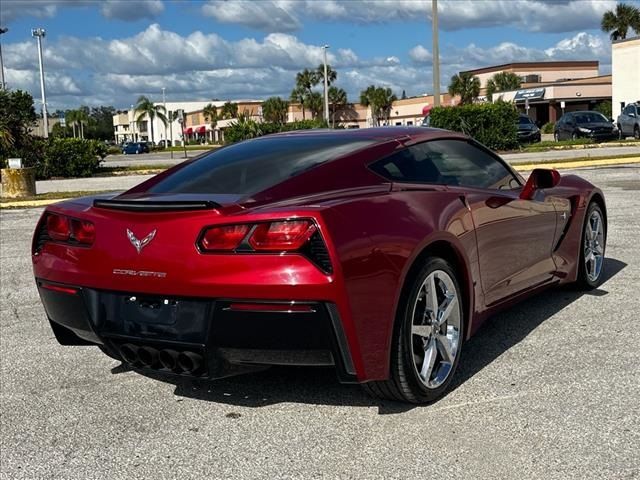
x,y
139,273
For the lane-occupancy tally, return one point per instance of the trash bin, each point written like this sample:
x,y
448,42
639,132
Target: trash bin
x,y
18,182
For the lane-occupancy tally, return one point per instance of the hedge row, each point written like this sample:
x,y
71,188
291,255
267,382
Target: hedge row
x,y
492,124
62,157
244,130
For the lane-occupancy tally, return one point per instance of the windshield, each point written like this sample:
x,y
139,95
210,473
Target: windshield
x,y
590,117
525,121
253,166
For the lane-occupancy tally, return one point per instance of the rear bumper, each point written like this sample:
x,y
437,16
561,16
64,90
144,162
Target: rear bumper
x,y
231,335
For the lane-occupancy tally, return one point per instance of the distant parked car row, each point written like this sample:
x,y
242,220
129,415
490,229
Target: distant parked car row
x,y
585,124
629,121
135,148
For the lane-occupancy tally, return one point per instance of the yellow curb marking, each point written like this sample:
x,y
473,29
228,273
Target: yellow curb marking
x,y
32,203
601,162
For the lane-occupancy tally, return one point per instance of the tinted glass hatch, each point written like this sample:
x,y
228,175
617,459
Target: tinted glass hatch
x,y
250,167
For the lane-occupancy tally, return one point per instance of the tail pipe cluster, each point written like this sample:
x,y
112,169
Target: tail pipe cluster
x,y
168,359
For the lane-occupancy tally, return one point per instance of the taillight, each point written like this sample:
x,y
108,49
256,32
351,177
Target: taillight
x,y
61,228
282,236
58,227
227,237
83,231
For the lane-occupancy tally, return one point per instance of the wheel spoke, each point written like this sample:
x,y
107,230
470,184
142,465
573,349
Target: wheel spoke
x,y
432,296
444,347
421,330
449,306
429,360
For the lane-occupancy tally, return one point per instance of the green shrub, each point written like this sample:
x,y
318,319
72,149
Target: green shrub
x,y
548,127
492,124
248,128
67,157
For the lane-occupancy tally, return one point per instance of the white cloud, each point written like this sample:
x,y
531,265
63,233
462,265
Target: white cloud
x,y
127,10
131,10
419,54
527,15
270,16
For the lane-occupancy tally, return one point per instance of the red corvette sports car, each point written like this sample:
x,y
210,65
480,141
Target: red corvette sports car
x,y
377,251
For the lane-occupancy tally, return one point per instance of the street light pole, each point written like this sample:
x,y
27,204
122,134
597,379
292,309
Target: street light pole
x,y
326,86
39,34
436,54
164,105
3,85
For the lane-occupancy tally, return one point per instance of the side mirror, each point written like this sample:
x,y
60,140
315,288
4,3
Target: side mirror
x,y
539,179
612,120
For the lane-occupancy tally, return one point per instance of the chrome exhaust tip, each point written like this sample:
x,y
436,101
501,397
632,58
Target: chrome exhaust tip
x,y
168,359
128,352
148,356
189,362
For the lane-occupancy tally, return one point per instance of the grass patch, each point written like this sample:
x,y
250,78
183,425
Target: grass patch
x,y
550,145
132,170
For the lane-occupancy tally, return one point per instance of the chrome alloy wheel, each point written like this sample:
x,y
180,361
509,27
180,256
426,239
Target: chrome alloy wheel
x,y
435,329
594,246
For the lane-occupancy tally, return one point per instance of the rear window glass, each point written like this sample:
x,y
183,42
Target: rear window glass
x,y
251,167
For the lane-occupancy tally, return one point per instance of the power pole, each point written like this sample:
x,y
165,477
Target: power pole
x,y
39,34
436,54
3,85
326,86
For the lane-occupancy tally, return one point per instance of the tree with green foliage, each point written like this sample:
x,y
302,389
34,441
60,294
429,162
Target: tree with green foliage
x,y
17,117
604,108
145,108
210,114
332,75
466,86
298,95
502,82
337,101
315,104
380,100
229,110
307,79
618,23
275,110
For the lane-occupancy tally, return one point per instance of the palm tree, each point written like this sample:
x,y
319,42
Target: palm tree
x,y
275,110
82,118
466,86
145,108
71,117
331,74
315,103
229,110
337,101
307,79
210,113
617,23
502,82
298,95
380,100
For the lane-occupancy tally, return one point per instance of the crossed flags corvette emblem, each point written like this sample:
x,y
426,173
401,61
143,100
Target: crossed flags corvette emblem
x,y
140,244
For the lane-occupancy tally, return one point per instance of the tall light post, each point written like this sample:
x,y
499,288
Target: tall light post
x,y
436,53
39,34
3,85
164,105
326,85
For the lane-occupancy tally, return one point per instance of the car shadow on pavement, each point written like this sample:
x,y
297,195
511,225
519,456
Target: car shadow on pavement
x,y
319,386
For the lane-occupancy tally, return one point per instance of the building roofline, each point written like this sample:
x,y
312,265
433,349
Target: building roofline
x,y
562,63
626,40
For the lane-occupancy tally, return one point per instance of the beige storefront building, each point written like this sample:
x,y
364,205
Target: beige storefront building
x,y
625,67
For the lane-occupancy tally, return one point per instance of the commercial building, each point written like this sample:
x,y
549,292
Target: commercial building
x,y
549,89
625,68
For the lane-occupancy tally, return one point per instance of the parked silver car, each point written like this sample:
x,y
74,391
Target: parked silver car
x,y
629,121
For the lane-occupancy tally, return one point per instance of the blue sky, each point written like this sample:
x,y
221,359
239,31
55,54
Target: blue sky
x,y
110,52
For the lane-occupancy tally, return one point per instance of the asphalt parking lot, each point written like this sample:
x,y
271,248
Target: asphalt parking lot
x,y
548,389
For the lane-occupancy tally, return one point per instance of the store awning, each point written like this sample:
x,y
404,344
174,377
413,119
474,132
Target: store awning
x,y
426,109
187,131
201,130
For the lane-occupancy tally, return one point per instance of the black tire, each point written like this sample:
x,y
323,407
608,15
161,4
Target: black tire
x,y
556,137
636,132
404,383
620,134
574,136
584,280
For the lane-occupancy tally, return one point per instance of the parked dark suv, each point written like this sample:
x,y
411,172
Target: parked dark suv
x,y
528,132
629,121
585,124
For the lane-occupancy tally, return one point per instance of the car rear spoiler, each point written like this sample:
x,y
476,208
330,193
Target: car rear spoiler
x,y
156,205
